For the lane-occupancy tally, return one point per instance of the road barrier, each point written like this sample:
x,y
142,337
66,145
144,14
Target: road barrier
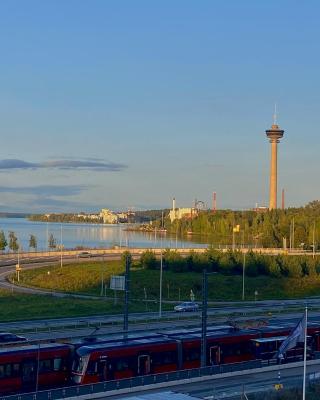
x,y
83,390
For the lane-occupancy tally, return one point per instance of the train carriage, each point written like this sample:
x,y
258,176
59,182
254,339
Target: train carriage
x,y
24,368
124,359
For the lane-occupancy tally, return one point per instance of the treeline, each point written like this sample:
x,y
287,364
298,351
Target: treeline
x,y
65,218
12,242
231,263
299,226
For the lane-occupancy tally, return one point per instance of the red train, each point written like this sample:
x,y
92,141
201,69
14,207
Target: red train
x,y
26,368
171,351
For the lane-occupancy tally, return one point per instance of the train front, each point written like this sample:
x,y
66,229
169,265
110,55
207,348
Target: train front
x,y
80,365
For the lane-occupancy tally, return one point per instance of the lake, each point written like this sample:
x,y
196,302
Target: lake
x,y
88,235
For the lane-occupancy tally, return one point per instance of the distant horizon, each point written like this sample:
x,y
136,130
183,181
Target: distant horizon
x,y
115,209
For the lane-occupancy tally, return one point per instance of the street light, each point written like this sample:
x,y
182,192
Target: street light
x,y
160,286
61,261
204,316
243,273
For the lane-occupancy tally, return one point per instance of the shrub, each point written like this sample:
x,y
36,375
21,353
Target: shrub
x,y
174,261
124,256
148,260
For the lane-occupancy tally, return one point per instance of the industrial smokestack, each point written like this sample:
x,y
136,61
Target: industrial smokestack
x,y
173,204
214,202
282,199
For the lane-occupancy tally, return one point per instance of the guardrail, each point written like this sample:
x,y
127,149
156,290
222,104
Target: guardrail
x,y
75,391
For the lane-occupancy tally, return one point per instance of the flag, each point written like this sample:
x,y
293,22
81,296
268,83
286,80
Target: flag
x,y
236,228
296,336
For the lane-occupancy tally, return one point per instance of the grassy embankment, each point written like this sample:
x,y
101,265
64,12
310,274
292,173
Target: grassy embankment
x,y
86,279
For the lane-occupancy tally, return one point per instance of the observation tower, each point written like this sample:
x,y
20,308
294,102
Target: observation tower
x,y
274,135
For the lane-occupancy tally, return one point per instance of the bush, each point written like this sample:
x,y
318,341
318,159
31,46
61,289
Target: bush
x,y
148,260
124,256
174,261
274,268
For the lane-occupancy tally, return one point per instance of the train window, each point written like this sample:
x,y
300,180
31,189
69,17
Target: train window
x,y
192,355
44,366
57,362
15,370
166,357
8,370
92,367
122,365
2,375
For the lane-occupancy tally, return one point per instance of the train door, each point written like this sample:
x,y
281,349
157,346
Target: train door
x,y
104,369
29,374
144,364
215,355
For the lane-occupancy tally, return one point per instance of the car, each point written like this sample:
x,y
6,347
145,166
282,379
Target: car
x,y
6,337
84,254
187,306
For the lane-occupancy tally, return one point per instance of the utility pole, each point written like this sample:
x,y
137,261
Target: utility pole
x,y
126,298
61,261
313,239
243,273
204,318
160,283
292,233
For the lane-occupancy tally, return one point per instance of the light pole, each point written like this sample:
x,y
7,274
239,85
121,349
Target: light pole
x,y
47,246
160,285
126,294
61,260
243,273
204,316
313,239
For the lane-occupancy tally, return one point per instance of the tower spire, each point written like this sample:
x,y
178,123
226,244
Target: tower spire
x,y
275,114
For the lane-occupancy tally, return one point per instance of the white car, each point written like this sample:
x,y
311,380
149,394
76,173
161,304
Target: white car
x,y
186,306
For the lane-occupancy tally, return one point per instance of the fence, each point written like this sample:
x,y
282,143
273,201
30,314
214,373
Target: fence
x,y
74,391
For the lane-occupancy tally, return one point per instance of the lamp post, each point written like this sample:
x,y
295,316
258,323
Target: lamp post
x,y
160,283
126,294
313,239
61,260
204,316
243,273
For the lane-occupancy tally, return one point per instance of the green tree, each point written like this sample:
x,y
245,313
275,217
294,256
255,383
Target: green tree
x,y
13,241
124,256
3,241
148,260
52,242
33,242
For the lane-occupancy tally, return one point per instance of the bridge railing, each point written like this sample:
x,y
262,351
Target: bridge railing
x,y
75,391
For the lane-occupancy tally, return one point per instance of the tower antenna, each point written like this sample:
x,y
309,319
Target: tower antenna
x,y
275,114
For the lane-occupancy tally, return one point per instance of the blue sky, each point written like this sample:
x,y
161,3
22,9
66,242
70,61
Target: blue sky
x,y
130,103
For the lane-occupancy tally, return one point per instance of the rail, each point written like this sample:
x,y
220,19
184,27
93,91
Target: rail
x,y
92,389
112,387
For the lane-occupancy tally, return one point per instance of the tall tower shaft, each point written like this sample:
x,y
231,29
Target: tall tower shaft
x,y
274,134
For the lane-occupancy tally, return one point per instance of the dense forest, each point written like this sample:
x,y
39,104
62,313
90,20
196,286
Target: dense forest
x,y
299,226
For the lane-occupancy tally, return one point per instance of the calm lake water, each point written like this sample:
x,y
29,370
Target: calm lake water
x,y
88,235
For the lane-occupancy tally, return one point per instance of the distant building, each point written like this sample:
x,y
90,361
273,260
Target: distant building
x,y
108,216
179,213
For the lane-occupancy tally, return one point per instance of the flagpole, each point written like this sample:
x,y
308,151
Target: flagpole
x,y
305,357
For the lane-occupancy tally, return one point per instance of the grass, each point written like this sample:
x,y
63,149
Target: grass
x,y
17,306
86,279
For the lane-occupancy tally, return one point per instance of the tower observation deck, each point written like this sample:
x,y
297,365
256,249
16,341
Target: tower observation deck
x,y
274,135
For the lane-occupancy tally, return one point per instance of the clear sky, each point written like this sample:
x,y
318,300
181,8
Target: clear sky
x,y
113,103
